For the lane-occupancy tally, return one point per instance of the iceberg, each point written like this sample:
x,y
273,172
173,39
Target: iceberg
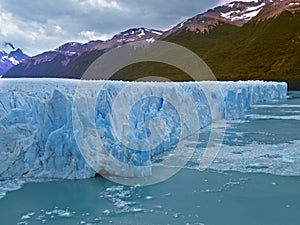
x,y
46,123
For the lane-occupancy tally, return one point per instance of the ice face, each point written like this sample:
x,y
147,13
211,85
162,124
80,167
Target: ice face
x,y
36,133
43,126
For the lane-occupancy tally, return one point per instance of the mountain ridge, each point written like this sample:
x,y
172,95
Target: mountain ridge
x,y
225,35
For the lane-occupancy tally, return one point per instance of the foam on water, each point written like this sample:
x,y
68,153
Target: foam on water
x,y
266,140
190,197
258,116
43,216
115,202
280,159
276,106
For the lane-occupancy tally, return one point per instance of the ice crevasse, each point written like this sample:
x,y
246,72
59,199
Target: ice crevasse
x,y
56,128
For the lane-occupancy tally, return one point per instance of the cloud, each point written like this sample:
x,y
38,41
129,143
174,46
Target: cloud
x,y
36,26
25,34
58,29
101,4
92,35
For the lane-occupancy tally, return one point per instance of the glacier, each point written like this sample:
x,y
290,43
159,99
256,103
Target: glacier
x,y
45,123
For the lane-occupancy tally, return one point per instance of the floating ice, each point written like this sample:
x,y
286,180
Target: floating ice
x,y
41,137
282,159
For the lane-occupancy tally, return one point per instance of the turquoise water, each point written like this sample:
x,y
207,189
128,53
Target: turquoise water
x,y
255,179
190,197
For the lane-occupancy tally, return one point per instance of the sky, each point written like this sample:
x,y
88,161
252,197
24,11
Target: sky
x,y
36,26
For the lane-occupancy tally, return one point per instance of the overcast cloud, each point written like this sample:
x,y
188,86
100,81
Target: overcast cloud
x,y
39,25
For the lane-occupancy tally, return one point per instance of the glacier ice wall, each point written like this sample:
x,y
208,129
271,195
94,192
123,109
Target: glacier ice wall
x,y
38,128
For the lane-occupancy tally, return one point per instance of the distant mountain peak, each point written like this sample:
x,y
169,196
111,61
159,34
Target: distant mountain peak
x,y
140,31
136,34
10,59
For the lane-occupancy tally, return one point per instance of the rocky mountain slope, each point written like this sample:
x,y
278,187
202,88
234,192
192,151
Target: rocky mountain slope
x,y
236,13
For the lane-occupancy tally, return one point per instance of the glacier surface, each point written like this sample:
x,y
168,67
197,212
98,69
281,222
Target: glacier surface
x,y
45,123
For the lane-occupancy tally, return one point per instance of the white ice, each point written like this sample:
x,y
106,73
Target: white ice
x,y
45,123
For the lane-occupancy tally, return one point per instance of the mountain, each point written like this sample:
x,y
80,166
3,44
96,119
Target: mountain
x,y
66,60
267,46
51,63
238,40
10,59
236,13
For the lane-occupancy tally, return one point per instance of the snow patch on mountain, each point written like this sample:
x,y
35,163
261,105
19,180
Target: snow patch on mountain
x,y
157,32
294,3
240,13
131,35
